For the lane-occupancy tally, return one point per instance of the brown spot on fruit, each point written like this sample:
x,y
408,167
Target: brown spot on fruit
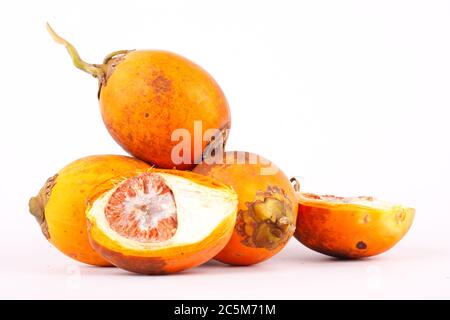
x,y
366,218
401,216
161,84
361,245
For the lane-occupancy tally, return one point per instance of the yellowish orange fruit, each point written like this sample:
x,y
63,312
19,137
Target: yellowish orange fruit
x,y
159,106
354,227
267,206
60,206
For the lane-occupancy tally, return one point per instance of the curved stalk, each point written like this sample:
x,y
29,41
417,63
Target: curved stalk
x,y
98,71
115,54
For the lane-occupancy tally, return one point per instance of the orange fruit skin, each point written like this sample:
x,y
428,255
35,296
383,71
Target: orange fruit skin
x,y
350,230
171,261
168,260
247,181
65,209
152,93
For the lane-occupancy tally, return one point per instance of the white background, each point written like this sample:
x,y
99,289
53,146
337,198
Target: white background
x,y
354,96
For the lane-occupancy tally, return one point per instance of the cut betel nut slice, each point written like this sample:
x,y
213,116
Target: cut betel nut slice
x,y
161,221
350,227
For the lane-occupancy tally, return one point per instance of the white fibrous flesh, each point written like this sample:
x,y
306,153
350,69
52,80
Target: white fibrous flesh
x,y
197,209
361,201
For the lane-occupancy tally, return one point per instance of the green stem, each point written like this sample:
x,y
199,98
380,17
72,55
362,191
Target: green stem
x,y
98,71
114,54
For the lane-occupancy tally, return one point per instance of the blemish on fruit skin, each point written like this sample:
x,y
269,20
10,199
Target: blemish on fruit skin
x,y
400,216
361,245
366,219
161,84
267,222
130,137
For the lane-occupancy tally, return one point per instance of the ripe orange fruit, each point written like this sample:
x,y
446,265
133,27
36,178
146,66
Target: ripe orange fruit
x,y
161,221
267,206
60,205
152,101
355,227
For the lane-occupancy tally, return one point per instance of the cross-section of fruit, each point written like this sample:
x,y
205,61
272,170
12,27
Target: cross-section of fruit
x,y
350,227
161,221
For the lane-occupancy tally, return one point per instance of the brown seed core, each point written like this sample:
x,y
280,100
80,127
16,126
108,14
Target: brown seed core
x,y
143,209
